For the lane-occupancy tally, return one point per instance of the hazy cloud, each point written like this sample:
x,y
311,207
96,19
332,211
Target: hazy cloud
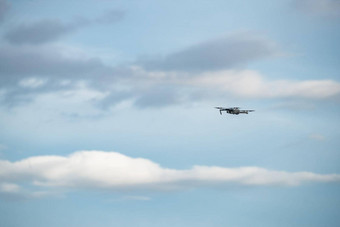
x,y
115,171
328,8
251,84
4,7
158,89
28,61
219,54
317,136
32,83
9,188
10,191
49,30
158,96
33,70
39,32
111,16
19,63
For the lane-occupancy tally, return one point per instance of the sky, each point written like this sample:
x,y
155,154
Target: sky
x,y
107,113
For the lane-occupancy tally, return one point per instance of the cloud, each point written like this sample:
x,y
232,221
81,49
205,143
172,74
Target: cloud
x,y
145,89
10,191
28,72
4,7
111,16
159,89
50,30
224,53
158,97
317,137
251,84
9,188
34,70
114,171
328,8
21,62
39,32
32,82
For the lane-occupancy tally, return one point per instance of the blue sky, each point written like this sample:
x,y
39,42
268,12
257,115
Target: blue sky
x,y
107,118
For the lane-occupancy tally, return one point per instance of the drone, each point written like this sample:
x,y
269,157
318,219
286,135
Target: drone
x,y
233,110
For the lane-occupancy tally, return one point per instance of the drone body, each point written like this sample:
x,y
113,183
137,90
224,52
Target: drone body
x,y
234,110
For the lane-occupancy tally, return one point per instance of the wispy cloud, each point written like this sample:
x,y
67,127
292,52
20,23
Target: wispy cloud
x,y
109,17
317,137
48,61
9,187
10,191
31,71
224,53
4,7
39,32
328,8
49,30
115,171
251,84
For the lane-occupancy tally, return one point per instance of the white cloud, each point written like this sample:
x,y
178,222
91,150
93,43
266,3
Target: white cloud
x,y
9,188
115,171
251,84
317,137
32,82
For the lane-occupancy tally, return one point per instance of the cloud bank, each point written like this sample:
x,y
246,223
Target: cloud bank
x,y
209,70
114,171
